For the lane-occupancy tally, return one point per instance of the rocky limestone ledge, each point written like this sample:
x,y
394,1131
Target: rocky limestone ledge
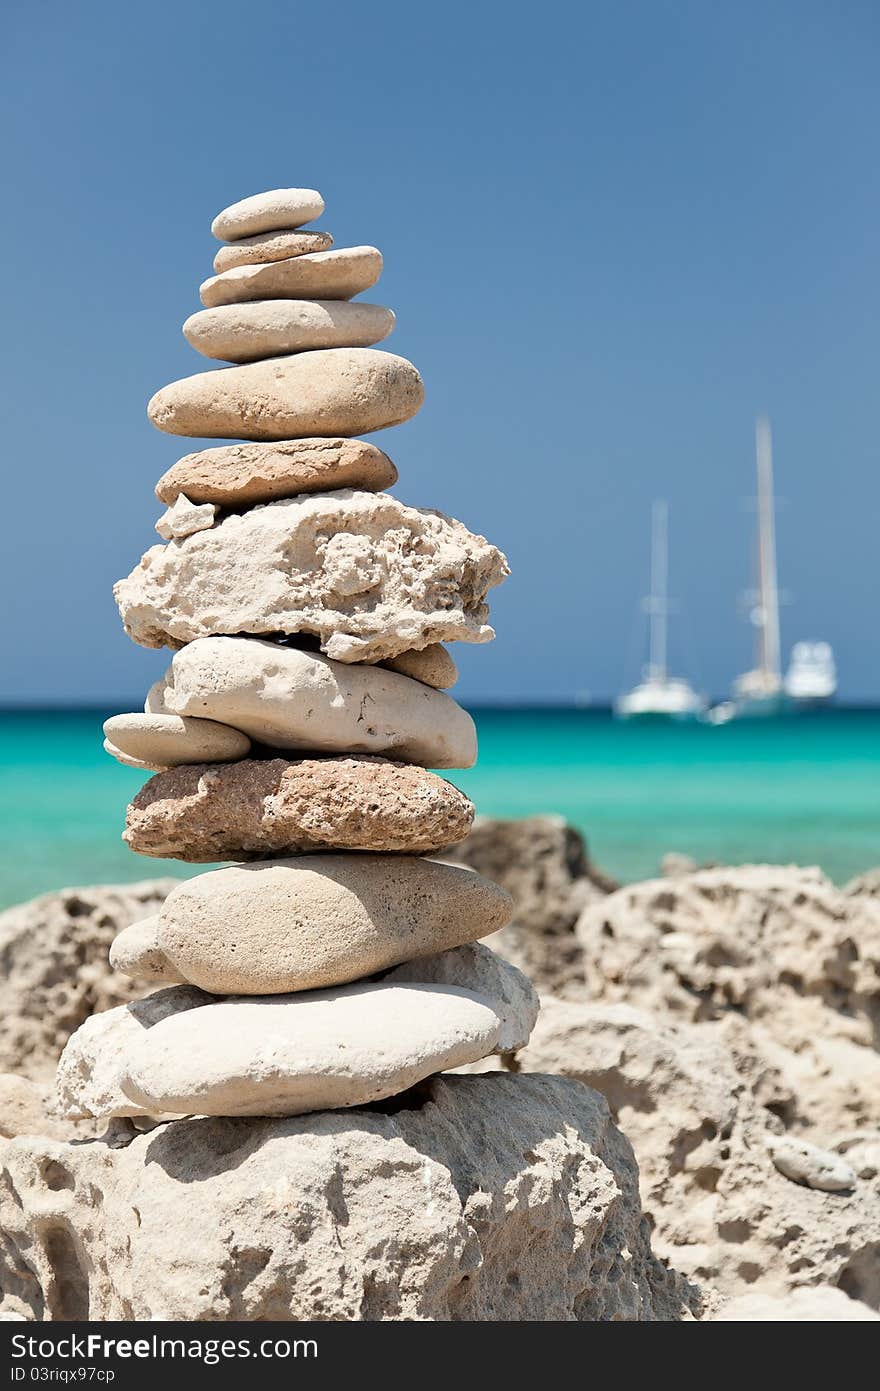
x,y
454,1202
366,575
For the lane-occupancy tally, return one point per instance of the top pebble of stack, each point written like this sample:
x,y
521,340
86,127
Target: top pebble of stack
x,y
277,210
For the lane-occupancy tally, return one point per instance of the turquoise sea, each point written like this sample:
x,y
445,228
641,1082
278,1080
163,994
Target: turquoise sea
x,y
804,789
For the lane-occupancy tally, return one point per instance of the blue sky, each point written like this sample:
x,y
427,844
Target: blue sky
x,y
612,233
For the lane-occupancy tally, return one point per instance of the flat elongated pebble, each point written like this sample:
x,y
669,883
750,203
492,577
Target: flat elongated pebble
x,y
333,391
268,328
167,740
87,1080
239,475
290,699
270,246
278,208
259,807
476,967
323,275
365,574
185,518
433,666
808,1164
320,1051
135,951
321,920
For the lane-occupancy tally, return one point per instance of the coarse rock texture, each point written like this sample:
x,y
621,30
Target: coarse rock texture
x,y
867,885
267,328
240,475
290,925
453,1202
366,575
272,807
776,946
26,1109
543,863
185,517
166,740
136,952
54,971
700,1108
320,1050
290,699
820,1304
270,246
275,210
474,967
432,665
333,391
89,1071
806,1163
324,275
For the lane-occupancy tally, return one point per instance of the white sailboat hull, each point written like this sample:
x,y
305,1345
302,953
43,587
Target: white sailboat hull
x,y
666,700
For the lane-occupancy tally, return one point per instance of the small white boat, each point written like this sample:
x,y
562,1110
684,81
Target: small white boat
x,y
811,678
659,695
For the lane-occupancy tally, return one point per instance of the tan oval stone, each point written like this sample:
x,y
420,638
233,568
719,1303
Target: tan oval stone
x,y
272,211
260,807
302,924
239,475
432,665
290,699
166,740
323,275
270,246
268,328
333,391
135,951
317,1052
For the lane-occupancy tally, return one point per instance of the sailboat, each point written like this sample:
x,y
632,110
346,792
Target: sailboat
x,y
811,679
759,692
659,695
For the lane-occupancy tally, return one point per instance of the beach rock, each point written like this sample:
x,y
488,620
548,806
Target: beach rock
x,y
54,971
779,947
184,518
269,807
433,666
810,1304
240,475
366,575
26,1109
267,328
867,885
861,1149
322,920
163,741
88,1079
477,969
332,391
452,1204
317,1051
324,275
290,699
272,211
543,863
270,246
136,952
807,1163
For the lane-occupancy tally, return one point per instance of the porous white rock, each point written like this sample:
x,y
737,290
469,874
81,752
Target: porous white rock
x,y
332,391
322,275
476,968
87,1081
804,1162
270,246
268,328
136,953
278,208
810,1304
183,518
278,926
290,699
160,740
318,1051
367,575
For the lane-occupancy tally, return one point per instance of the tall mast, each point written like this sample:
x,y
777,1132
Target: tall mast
x,y
768,628
658,604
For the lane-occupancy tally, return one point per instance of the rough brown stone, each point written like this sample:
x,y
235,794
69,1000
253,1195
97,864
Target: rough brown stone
x,y
240,475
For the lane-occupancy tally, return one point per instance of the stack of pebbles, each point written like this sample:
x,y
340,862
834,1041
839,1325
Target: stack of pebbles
x,y
335,963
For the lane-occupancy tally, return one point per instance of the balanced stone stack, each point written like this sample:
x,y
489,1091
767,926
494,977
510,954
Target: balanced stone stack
x,y
336,962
